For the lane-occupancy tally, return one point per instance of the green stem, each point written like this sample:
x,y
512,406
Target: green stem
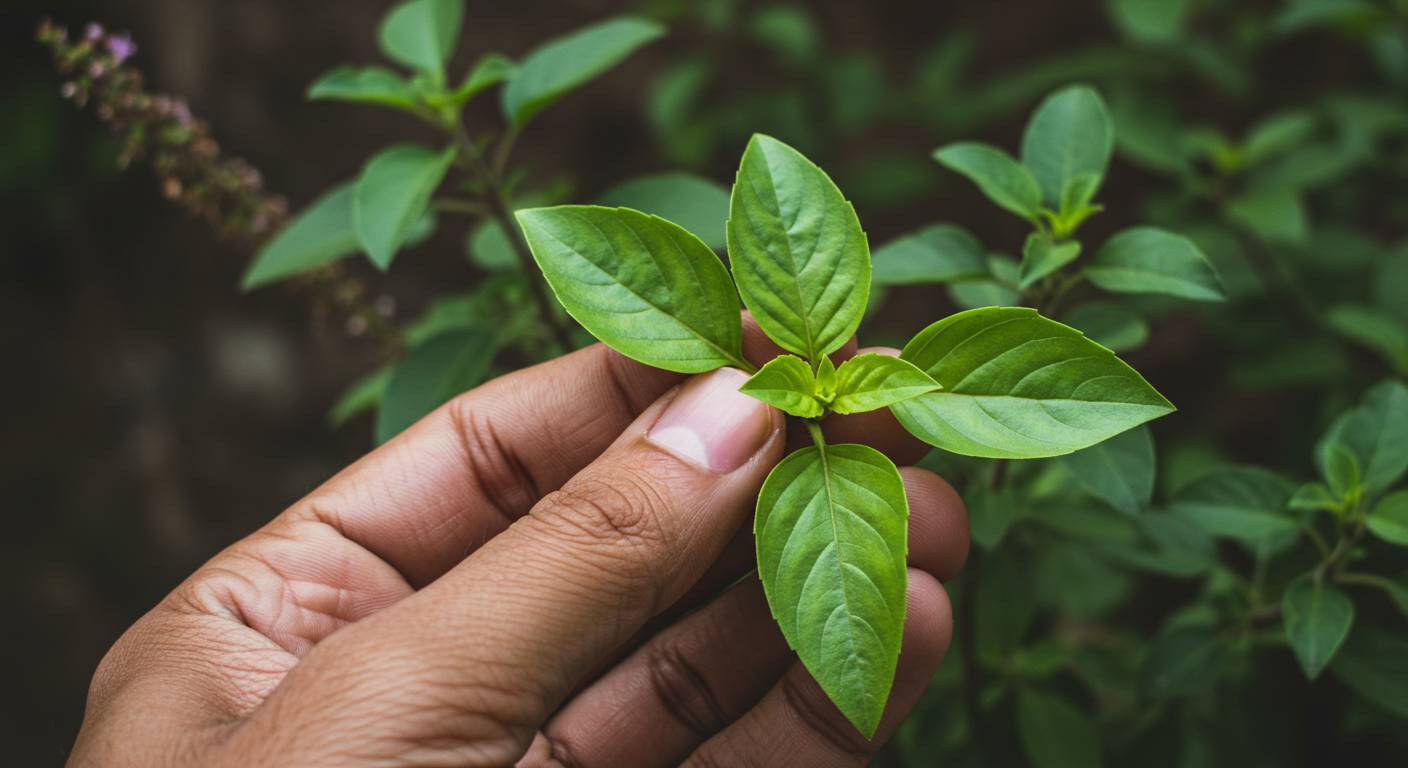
x,y
814,428
467,207
1366,580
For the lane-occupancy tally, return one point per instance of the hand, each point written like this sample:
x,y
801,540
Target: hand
x,y
540,573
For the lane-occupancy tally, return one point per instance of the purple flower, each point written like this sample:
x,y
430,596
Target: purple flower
x,y
93,33
121,47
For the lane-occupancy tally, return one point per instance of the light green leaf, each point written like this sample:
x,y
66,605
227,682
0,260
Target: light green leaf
x,y
694,202
1070,134
831,531
1150,21
644,286
786,383
1375,664
872,381
1018,385
489,71
319,235
997,174
1183,660
788,29
373,85
1109,325
1389,520
421,34
364,395
1271,215
1076,197
1342,470
998,291
561,65
1119,471
1243,503
798,252
1042,256
1377,432
1373,328
1054,733
1313,497
941,253
1149,260
490,249
392,195
431,375
1317,619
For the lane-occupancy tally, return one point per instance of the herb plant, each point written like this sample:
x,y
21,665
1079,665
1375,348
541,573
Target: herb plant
x,y
830,528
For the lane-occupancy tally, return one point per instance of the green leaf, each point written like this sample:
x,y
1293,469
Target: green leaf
x,y
1109,325
392,195
998,291
997,174
1149,260
1150,21
1076,197
1004,604
1119,471
1018,385
646,287
1375,664
1342,471
694,202
489,71
490,249
1389,520
1313,497
1183,660
1317,619
561,65
941,253
798,252
320,235
872,381
1242,503
786,383
1377,433
1373,328
1272,215
1070,134
1054,733
431,375
373,85
1042,256
831,536
364,395
421,34
1276,135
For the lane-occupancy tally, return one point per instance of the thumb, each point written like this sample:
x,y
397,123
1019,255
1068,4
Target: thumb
x,y
467,669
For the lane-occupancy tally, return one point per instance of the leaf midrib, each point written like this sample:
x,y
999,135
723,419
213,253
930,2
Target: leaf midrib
x,y
840,562
802,313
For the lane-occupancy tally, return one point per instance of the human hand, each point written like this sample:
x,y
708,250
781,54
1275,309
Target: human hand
x,y
546,571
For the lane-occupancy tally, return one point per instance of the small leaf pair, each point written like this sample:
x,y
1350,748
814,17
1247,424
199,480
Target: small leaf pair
x,y
864,383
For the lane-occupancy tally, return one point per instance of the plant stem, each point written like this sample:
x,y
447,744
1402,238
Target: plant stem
x,y
1366,580
814,428
454,205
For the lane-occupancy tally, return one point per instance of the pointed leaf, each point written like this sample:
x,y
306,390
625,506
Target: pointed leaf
x,y
319,235
488,72
1375,664
786,383
1242,503
1109,325
1042,256
1149,260
1018,385
450,363
421,34
644,286
797,249
373,85
1313,497
831,536
694,202
941,253
559,66
392,195
364,395
1000,177
1119,471
1317,619
872,381
1070,134
1374,328
1389,520
1054,733
1376,432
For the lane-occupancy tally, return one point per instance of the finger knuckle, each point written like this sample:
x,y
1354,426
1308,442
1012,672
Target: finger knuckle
x,y
683,691
818,717
620,513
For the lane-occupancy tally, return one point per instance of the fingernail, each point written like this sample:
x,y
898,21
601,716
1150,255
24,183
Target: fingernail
x,y
713,425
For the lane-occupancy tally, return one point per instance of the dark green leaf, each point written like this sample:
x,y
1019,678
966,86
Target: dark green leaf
x,y
1276,135
421,34
1375,664
998,291
1149,260
873,381
1150,21
320,235
1275,215
797,249
941,253
1042,256
364,395
694,202
1004,604
1070,134
1377,433
831,537
1314,497
1119,471
490,248
1342,470
644,286
488,72
1243,503
1017,385
786,383
1389,520
559,66
1054,733
372,85
1183,660
1374,328
1000,177
1317,619
431,375
393,195
1109,325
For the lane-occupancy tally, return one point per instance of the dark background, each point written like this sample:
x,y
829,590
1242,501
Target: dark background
x,y
153,414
